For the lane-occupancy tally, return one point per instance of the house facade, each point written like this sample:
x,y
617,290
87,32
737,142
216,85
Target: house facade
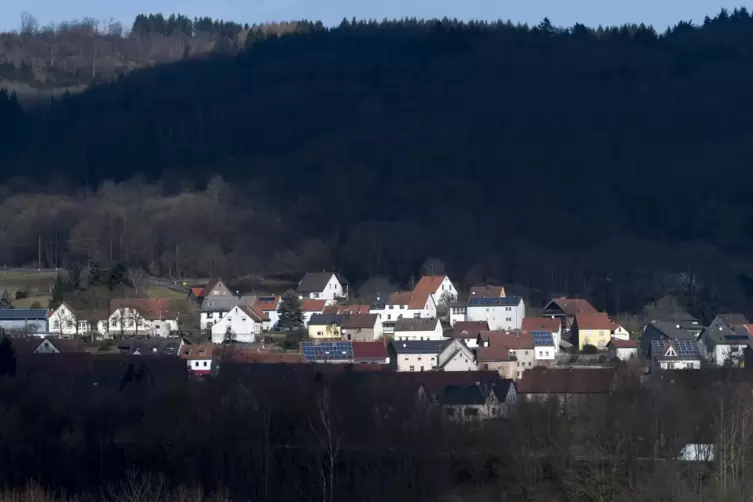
x,y
310,308
457,313
510,353
325,327
199,359
268,306
142,317
439,287
723,345
623,350
242,324
409,305
215,307
505,313
468,331
565,309
469,403
322,286
544,324
416,356
592,329
418,329
362,327
66,321
456,357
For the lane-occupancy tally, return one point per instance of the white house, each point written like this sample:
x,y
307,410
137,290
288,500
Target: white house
x,y
142,316
544,349
409,305
544,325
322,286
619,332
67,321
199,358
622,349
215,307
468,332
456,357
440,288
723,345
241,324
505,313
417,329
412,356
457,313
268,306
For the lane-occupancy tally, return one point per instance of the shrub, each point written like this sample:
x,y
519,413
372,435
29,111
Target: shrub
x,y
35,305
21,294
589,349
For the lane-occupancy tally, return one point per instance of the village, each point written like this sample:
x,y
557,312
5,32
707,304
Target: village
x,y
567,348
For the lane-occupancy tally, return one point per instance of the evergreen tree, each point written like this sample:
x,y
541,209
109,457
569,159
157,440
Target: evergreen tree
x,y
291,313
57,292
6,301
229,335
7,358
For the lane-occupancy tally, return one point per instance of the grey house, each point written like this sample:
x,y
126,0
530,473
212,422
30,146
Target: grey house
x,y
662,331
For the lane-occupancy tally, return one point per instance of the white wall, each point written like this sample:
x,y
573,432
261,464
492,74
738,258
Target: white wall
x,y
244,328
416,361
457,314
620,334
498,317
544,353
208,318
63,322
436,334
134,324
459,361
199,364
623,354
331,292
680,365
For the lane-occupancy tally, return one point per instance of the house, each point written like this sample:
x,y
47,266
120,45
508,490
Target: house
x,y
544,324
346,309
458,312
456,356
199,359
545,350
592,329
618,332
52,345
724,345
142,316
407,305
500,313
439,287
311,307
215,288
215,307
325,327
153,347
361,327
571,386
414,356
322,286
679,354
683,321
468,331
67,321
517,346
487,292
24,320
242,324
268,306
730,320
478,402
623,350
370,353
412,329
565,309
662,331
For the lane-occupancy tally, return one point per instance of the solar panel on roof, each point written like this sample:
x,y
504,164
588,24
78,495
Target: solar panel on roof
x,y
484,302
542,338
327,351
23,314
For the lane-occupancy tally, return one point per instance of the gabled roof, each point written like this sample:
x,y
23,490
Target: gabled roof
x,y
413,300
429,284
623,344
733,319
572,306
206,290
325,319
469,329
671,331
472,394
346,309
151,309
721,334
225,303
256,356
197,292
252,313
434,382
541,380
369,350
541,324
267,303
597,320
314,282
679,350
197,352
504,301
419,346
486,292
154,347
501,343
416,324
313,305
360,321
66,346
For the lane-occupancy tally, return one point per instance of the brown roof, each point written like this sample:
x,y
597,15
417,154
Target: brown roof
x,y
313,305
469,329
149,308
346,309
254,356
194,352
197,291
598,320
253,313
416,324
267,306
541,324
209,287
414,300
624,344
429,284
566,381
573,306
369,350
362,321
487,292
492,354
501,343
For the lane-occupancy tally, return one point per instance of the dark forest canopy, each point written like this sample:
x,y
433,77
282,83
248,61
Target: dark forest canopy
x,y
573,160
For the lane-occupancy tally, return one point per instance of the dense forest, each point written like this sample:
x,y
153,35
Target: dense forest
x,y
610,162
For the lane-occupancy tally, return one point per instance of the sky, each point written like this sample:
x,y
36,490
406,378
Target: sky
x,y
659,13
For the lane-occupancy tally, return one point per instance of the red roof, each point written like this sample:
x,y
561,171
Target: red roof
x,y
197,292
369,350
255,356
346,309
414,300
197,352
253,313
150,308
313,305
429,284
598,320
267,306
209,287
469,329
541,324
573,306
624,344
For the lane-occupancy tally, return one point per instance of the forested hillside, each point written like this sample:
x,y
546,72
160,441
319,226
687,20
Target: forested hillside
x,y
611,162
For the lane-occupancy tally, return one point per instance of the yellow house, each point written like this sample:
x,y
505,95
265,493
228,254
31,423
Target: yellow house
x,y
592,329
325,327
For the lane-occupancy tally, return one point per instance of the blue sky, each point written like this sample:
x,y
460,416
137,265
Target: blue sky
x,y
659,13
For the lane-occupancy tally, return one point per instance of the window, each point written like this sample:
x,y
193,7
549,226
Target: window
x,y
541,354
315,295
508,319
389,317
56,325
205,364
411,368
419,358
526,352
470,412
508,309
422,368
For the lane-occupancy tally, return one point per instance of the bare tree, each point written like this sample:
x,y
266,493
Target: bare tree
x,y
29,24
324,428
